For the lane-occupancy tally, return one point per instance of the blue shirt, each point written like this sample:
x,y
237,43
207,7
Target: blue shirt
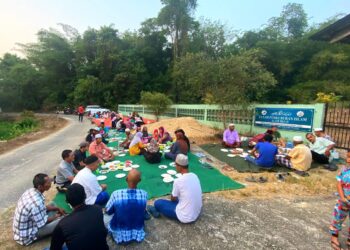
x,y
128,207
267,152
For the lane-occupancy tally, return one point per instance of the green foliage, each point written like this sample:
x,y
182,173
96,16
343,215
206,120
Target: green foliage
x,y
327,98
189,60
13,129
157,102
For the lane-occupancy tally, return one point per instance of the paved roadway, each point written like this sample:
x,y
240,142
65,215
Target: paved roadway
x,y
300,223
18,167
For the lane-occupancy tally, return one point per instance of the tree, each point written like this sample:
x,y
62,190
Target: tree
x,y
176,17
157,102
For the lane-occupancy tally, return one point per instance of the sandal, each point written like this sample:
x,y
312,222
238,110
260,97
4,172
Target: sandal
x,y
335,245
262,179
251,179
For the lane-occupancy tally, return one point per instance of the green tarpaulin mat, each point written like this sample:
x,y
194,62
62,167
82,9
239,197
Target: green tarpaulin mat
x,y
152,182
239,163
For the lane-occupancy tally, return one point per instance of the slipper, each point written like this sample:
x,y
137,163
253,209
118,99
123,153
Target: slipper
x,y
336,246
251,179
262,179
280,177
302,173
227,168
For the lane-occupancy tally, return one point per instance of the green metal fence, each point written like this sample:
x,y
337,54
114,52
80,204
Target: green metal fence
x,y
214,115
206,113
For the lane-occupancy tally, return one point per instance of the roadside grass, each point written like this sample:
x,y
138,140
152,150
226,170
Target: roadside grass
x,y
11,128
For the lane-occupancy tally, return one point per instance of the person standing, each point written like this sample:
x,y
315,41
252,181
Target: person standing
x,y
32,221
83,228
125,210
81,111
342,207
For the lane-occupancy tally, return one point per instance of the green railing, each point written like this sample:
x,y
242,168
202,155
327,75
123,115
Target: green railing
x,y
206,113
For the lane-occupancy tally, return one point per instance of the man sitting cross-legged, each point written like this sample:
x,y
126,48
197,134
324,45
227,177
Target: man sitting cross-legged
x,y
128,207
100,149
83,228
95,193
299,158
66,170
185,203
321,150
230,138
31,220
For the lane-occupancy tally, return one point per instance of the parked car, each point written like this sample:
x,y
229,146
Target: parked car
x,y
93,109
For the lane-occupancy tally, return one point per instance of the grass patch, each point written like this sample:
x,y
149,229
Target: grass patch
x,y
10,128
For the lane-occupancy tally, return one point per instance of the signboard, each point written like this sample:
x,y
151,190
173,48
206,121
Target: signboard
x,y
285,118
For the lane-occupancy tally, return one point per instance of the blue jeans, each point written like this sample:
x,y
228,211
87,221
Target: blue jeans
x,y
102,198
251,159
167,208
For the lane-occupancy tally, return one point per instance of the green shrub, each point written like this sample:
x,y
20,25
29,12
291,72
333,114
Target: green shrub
x,y
27,113
26,123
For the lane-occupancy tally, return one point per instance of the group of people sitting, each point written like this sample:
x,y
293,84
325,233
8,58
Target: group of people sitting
x,y
265,151
125,210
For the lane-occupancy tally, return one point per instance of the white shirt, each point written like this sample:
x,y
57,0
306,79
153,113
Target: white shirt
x,y
320,145
188,190
89,181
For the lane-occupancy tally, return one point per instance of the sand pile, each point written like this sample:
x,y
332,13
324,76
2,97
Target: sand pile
x,y
196,132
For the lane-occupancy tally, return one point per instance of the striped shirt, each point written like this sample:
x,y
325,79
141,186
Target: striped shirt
x,y
128,207
30,215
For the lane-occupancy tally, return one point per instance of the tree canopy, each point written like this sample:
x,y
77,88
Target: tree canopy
x,y
187,59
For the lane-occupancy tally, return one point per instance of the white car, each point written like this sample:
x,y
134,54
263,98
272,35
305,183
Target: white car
x,y
93,109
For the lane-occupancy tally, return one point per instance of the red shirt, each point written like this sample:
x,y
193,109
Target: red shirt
x,y
81,110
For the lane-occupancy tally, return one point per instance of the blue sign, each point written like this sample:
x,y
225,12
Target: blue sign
x,y
285,118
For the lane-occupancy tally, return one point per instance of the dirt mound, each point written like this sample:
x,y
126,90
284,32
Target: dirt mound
x,y
196,132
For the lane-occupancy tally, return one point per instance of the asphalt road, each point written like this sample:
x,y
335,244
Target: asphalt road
x,y
19,166
300,223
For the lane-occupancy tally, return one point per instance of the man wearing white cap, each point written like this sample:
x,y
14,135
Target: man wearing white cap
x,y
299,158
185,203
230,137
320,133
100,149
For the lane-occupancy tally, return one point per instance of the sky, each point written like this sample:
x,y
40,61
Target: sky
x,y
20,20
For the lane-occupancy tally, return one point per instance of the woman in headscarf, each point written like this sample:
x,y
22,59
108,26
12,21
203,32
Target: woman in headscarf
x,y
179,147
145,136
152,154
184,137
136,146
164,136
155,134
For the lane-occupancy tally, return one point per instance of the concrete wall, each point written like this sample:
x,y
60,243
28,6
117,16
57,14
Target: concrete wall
x,y
200,113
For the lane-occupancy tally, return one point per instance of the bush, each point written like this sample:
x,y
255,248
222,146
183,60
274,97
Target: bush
x,y
27,113
27,123
157,102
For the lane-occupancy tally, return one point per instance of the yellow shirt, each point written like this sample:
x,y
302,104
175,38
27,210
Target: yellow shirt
x,y
136,149
301,157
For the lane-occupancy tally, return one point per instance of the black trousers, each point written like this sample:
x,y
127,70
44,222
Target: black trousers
x,y
81,116
322,159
